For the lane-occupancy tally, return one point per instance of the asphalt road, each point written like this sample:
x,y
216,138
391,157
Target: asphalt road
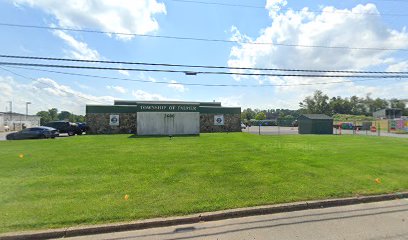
x,y
3,135
271,130
274,130
373,221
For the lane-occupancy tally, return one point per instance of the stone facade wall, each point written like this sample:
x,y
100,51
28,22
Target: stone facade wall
x,y
99,123
232,123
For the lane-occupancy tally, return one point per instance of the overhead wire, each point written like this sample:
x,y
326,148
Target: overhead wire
x,y
199,84
49,85
196,66
199,39
188,72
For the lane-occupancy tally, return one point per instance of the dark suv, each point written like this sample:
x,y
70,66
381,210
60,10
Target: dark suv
x,y
65,127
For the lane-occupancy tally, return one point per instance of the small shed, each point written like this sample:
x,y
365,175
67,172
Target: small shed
x,y
315,124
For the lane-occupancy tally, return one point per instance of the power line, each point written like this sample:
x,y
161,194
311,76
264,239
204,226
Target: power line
x,y
195,66
199,84
198,39
62,90
284,8
200,72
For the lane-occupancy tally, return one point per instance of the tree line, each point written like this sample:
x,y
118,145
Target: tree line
x,y
53,115
323,104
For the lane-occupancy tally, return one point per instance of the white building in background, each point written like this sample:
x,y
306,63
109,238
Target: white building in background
x,y
1,122
17,121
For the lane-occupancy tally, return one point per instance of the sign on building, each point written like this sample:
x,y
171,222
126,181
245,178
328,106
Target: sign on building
x,y
114,120
219,120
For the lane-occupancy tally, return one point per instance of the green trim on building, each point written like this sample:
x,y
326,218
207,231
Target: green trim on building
x,y
155,106
167,107
214,104
142,108
110,109
220,110
128,102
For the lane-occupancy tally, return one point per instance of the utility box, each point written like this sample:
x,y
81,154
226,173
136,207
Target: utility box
x,y
366,126
315,124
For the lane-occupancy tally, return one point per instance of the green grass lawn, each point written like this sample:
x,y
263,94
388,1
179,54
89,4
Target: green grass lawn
x,y
83,180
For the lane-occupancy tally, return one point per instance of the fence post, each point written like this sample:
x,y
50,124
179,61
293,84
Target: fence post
x,y
354,127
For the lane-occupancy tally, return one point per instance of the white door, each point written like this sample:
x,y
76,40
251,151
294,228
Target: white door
x,y
168,123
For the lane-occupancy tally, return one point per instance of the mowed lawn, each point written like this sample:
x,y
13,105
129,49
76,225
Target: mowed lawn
x,y
83,180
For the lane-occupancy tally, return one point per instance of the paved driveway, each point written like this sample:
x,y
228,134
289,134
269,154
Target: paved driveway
x,y
274,130
372,221
3,135
271,130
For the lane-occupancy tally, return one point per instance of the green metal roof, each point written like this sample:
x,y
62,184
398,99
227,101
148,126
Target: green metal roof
x,y
130,102
315,116
220,110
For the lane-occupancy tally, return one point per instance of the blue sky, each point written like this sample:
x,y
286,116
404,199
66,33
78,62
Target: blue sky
x,y
330,23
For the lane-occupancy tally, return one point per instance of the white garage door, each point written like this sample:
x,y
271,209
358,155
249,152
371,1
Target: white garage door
x,y
168,123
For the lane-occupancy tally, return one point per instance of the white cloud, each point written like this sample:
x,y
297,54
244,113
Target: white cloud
x,y
274,6
79,50
142,95
176,86
333,27
82,86
118,89
124,16
6,86
398,67
124,72
233,101
45,93
326,29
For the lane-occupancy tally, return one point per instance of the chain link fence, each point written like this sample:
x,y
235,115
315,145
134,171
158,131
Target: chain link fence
x,y
289,126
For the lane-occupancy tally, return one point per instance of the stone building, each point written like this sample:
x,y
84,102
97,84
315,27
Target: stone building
x,y
17,121
162,118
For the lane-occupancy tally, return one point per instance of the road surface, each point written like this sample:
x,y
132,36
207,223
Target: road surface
x,y
274,130
373,221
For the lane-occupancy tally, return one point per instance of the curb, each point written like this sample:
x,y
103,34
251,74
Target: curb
x,y
203,217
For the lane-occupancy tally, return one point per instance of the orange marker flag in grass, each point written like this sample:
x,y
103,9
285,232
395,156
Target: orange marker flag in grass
x,y
126,197
377,180
21,155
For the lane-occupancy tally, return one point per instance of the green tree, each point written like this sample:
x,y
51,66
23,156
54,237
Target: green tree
x,y
65,115
260,116
53,114
395,103
247,114
358,106
45,117
316,104
339,105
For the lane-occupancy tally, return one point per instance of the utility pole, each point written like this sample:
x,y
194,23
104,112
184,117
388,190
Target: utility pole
x,y
11,114
27,103
11,106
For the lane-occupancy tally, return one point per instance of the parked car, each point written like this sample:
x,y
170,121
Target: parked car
x,y
344,125
65,127
83,126
243,126
33,133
